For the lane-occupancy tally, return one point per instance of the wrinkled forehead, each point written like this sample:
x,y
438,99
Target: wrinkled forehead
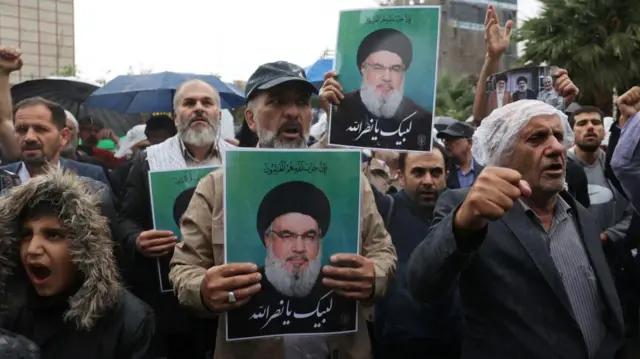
x,y
543,123
196,91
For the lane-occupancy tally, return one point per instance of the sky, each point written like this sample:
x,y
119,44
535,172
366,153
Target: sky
x,y
227,37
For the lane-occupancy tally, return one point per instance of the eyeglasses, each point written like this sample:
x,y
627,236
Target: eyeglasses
x,y
309,236
378,68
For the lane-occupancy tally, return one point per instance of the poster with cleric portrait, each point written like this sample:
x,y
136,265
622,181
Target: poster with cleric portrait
x,y
170,193
288,211
387,61
523,83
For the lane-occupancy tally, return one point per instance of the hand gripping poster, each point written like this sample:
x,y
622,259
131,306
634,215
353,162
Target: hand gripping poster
x,y
289,211
170,193
386,60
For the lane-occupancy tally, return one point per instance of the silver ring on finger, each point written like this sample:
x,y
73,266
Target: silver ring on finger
x,y
232,298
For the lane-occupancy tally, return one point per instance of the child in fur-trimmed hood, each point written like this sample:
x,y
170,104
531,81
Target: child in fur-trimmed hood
x,y
58,268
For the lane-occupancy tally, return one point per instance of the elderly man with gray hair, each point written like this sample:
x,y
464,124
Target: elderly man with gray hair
x,y
526,256
549,95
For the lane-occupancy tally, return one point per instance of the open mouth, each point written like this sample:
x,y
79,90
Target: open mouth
x,y
291,130
555,168
39,272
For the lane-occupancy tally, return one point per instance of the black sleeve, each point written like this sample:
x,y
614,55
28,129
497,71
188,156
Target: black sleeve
x,y
139,344
135,208
437,262
383,203
578,183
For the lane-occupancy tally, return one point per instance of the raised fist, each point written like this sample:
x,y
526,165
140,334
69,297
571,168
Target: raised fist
x,y
491,197
10,60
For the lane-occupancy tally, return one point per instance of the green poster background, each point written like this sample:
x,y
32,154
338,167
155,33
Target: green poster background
x,y
247,184
420,24
165,186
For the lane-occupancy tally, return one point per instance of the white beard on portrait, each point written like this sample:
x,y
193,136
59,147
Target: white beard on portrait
x,y
381,106
201,137
297,284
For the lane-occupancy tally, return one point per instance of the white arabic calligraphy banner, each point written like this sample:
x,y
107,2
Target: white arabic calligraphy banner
x,y
288,211
386,60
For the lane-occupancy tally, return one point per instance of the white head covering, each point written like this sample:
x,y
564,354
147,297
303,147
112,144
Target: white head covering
x,y
72,118
134,136
496,136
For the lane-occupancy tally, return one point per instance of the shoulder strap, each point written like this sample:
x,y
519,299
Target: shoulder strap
x,y
387,220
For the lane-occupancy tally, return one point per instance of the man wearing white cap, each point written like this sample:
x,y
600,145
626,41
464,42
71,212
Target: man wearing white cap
x,y
527,257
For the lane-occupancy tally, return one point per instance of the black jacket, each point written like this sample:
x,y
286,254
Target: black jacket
x,y
577,183
172,319
513,299
95,317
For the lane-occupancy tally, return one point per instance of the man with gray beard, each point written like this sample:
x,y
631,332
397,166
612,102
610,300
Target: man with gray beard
x,y
279,111
197,144
292,222
378,115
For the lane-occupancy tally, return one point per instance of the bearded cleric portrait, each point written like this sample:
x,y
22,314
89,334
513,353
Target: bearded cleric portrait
x,y
389,102
293,221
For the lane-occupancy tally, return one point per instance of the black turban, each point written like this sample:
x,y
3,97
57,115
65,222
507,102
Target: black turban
x,y
294,197
181,204
386,40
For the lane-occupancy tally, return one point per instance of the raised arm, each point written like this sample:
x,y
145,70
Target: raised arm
x,y
626,157
497,43
9,62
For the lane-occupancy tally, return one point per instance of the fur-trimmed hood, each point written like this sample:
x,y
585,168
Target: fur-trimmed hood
x,y
91,245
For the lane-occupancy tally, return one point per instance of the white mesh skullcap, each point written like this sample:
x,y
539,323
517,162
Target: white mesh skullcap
x,y
70,115
496,136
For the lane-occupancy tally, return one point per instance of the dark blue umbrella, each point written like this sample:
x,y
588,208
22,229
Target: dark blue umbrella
x,y
315,72
236,89
154,92
71,93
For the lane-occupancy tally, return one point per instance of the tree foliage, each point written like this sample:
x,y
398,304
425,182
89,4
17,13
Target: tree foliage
x,y
597,41
455,96
68,71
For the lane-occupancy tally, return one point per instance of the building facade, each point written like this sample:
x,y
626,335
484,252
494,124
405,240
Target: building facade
x,y
462,47
44,31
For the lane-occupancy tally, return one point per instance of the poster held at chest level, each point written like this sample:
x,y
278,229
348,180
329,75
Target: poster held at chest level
x,y
386,60
288,211
170,193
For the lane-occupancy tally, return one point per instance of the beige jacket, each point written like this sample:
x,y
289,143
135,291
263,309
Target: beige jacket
x,y
203,247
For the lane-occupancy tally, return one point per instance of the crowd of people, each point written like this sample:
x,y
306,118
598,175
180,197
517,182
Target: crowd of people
x,y
514,237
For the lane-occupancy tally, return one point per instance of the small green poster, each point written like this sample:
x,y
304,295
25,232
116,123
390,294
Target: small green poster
x,y
170,193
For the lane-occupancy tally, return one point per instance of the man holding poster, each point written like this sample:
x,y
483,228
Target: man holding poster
x,y
149,241
279,111
393,99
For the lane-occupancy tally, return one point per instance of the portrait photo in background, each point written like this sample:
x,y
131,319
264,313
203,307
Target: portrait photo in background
x,y
524,83
386,60
289,211
170,193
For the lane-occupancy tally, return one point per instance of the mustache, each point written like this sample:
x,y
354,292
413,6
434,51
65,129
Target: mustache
x,y
31,146
199,116
302,256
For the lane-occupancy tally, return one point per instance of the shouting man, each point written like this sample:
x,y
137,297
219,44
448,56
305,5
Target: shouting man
x,y
379,114
279,111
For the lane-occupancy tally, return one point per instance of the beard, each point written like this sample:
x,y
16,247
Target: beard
x,y
270,139
589,147
381,106
297,284
202,137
